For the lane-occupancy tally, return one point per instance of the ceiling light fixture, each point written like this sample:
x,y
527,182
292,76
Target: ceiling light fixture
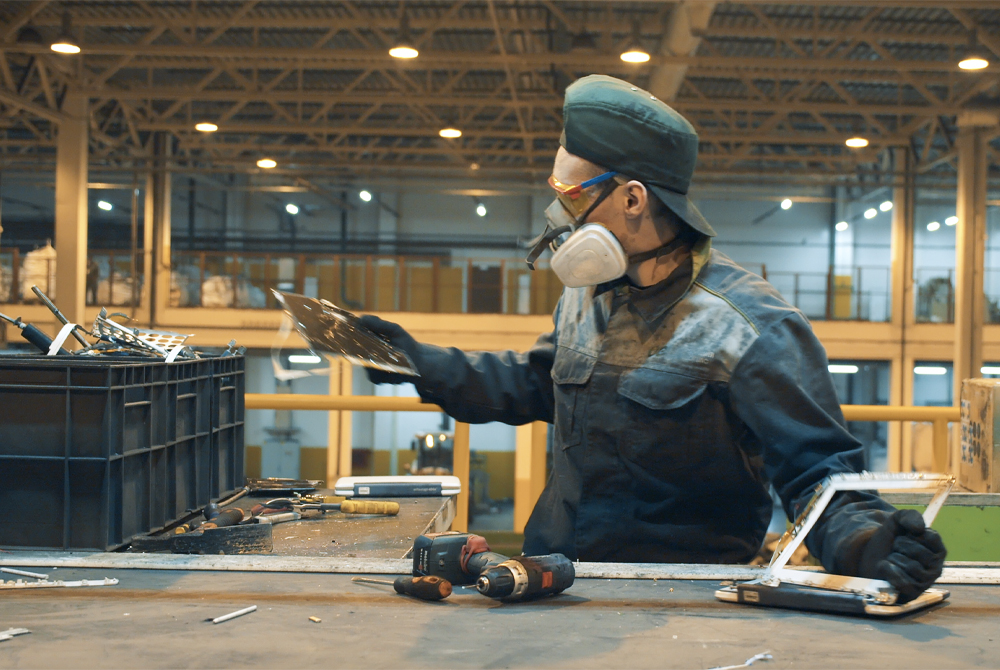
x,y
856,142
989,370
842,369
450,133
404,47
930,370
206,127
65,43
885,206
105,205
786,203
304,358
951,221
975,58
870,213
633,52
292,208
933,225
365,195
267,163
841,226
481,209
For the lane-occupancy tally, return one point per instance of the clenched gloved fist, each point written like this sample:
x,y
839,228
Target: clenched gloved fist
x,y
904,553
397,337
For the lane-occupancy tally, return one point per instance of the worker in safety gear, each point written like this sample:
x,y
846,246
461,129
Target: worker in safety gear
x,y
680,385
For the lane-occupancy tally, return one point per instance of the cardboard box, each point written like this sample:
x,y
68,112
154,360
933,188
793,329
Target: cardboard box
x,y
977,470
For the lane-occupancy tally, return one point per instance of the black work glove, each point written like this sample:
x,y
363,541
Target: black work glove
x,y
904,553
395,335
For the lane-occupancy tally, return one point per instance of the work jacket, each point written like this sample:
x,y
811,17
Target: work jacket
x,y
674,407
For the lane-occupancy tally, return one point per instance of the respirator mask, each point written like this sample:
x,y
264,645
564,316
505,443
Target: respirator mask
x,y
584,254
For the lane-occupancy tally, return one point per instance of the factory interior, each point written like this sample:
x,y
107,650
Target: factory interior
x,y
205,204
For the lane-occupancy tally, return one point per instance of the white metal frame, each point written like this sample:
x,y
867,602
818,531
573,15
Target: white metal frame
x,y
879,590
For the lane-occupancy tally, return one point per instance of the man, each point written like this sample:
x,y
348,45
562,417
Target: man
x,y
679,385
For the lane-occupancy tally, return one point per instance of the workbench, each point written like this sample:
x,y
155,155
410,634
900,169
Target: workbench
x,y
156,619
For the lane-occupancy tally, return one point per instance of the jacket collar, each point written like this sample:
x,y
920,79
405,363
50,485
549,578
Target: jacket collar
x,y
652,302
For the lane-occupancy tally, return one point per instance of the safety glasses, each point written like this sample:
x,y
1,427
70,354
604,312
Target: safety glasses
x,y
574,197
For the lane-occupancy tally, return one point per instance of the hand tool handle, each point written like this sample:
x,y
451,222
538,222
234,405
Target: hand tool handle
x,y
227,517
424,588
39,339
59,315
369,507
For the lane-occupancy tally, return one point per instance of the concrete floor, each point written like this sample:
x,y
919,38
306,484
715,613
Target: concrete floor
x,y
156,619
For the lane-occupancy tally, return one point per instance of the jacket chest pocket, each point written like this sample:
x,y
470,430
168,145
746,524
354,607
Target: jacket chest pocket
x,y
571,373
668,427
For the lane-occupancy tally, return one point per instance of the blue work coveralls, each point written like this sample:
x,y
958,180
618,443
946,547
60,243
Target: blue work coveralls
x,y
674,407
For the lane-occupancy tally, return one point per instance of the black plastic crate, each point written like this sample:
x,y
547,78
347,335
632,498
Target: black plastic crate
x,y
94,452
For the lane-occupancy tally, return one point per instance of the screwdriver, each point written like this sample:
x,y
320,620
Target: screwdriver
x,y
424,588
33,335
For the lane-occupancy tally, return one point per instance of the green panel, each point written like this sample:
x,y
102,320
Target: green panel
x,y
969,533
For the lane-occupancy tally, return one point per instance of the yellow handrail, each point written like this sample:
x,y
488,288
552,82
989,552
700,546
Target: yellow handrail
x,y
940,417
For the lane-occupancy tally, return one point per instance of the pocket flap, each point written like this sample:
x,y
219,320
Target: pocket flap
x,y
657,389
572,367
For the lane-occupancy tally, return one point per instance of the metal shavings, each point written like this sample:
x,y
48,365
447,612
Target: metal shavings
x,y
765,656
10,633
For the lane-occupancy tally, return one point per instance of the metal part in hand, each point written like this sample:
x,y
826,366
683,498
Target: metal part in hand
x,y
879,590
332,330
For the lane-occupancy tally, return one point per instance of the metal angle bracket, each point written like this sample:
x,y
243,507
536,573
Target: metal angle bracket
x,y
878,590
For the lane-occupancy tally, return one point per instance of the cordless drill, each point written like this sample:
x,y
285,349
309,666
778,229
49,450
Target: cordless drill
x,y
526,577
458,557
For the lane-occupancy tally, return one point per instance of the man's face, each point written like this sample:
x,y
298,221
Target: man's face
x,y
571,169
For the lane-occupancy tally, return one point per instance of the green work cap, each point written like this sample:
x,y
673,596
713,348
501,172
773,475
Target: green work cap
x,y
623,128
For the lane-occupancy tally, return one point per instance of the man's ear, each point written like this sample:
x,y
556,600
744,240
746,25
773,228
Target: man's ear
x,y
636,199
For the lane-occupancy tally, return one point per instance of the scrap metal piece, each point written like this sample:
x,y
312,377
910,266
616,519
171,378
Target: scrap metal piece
x,y
274,484
43,584
329,329
24,573
59,315
765,656
233,615
11,633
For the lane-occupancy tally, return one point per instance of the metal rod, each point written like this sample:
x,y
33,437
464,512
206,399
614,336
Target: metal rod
x,y
367,580
233,615
59,315
24,573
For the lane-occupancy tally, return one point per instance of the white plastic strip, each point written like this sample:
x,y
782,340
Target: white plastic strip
x,y
61,339
174,353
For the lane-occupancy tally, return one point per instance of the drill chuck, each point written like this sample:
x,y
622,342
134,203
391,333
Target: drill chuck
x,y
526,577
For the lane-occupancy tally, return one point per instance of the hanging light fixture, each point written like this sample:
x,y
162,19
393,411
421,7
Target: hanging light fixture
x,y
634,52
65,43
450,133
975,58
206,127
267,163
404,47
856,142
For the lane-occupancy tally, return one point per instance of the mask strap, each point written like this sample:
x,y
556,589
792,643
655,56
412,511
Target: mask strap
x,y
542,242
656,253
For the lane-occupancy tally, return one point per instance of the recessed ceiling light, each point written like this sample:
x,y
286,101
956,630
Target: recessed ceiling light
x,y
930,370
842,369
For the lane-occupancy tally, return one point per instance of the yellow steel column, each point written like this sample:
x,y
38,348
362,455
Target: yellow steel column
x,y
970,243
901,281
71,209
339,448
529,470
460,466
